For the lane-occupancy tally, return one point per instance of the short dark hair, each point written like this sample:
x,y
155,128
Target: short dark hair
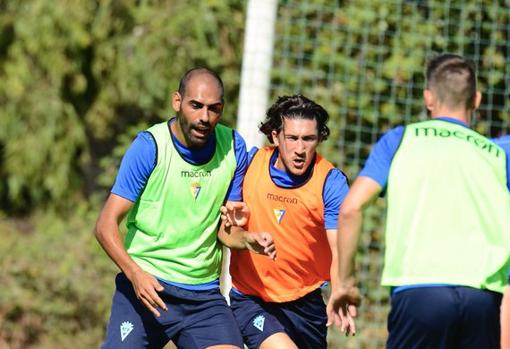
x,y
183,83
453,80
294,107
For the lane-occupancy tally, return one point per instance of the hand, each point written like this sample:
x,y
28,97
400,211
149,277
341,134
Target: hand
x,y
146,289
261,243
235,213
342,308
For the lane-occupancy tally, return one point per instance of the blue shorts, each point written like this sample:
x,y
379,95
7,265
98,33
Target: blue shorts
x,y
450,317
303,320
195,319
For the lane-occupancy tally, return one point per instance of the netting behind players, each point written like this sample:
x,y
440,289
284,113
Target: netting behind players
x,y
363,60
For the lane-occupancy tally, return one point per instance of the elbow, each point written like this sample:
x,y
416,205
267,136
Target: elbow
x,y
348,212
99,231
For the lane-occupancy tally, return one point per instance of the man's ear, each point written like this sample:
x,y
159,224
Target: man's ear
x,y
478,99
274,136
429,99
176,101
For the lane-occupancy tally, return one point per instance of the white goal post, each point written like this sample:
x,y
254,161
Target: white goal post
x,y
255,84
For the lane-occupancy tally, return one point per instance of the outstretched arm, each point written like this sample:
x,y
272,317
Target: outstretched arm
x,y
342,303
107,233
234,215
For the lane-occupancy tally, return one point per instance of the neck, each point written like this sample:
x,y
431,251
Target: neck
x,y
458,114
176,130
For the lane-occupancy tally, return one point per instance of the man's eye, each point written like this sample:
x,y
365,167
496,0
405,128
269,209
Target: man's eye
x,y
196,105
216,110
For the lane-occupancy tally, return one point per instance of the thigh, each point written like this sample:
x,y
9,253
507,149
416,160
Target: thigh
x,y
131,325
255,319
208,322
424,318
480,321
306,321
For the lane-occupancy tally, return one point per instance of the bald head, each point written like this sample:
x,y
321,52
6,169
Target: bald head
x,y
204,73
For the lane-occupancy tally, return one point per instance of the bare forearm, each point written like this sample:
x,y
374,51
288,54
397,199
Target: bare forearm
x,y
233,237
333,269
333,272
109,238
349,231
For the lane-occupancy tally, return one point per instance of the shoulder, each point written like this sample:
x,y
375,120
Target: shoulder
x,y
389,142
393,134
144,143
503,142
238,139
335,175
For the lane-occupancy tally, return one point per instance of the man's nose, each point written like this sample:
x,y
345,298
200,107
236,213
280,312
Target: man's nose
x,y
300,146
204,114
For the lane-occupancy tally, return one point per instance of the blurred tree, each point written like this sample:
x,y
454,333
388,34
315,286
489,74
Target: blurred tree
x,y
81,78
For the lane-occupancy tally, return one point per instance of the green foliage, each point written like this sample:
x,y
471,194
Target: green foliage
x,y
81,78
364,61
56,282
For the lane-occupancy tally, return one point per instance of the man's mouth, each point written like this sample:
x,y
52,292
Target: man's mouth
x,y
298,162
200,132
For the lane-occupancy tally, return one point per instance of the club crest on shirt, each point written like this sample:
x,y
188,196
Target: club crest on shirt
x,y
278,213
195,189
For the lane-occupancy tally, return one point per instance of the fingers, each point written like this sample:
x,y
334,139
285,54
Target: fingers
x,y
347,313
151,306
226,214
234,213
342,310
146,289
266,244
333,317
348,325
270,248
155,296
353,310
152,301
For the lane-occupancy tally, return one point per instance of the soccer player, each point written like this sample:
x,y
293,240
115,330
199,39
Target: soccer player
x,y
173,180
294,194
447,242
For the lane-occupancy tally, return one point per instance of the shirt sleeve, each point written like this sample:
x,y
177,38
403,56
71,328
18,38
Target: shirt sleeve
x,y
378,163
235,191
336,188
251,154
136,167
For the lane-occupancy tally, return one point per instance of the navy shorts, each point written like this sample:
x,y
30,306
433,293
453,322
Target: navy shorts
x,y
195,319
452,317
303,320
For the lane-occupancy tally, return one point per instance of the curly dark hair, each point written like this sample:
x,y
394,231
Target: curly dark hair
x,y
294,107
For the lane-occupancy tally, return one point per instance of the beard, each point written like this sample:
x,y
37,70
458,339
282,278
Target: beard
x,y
196,134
